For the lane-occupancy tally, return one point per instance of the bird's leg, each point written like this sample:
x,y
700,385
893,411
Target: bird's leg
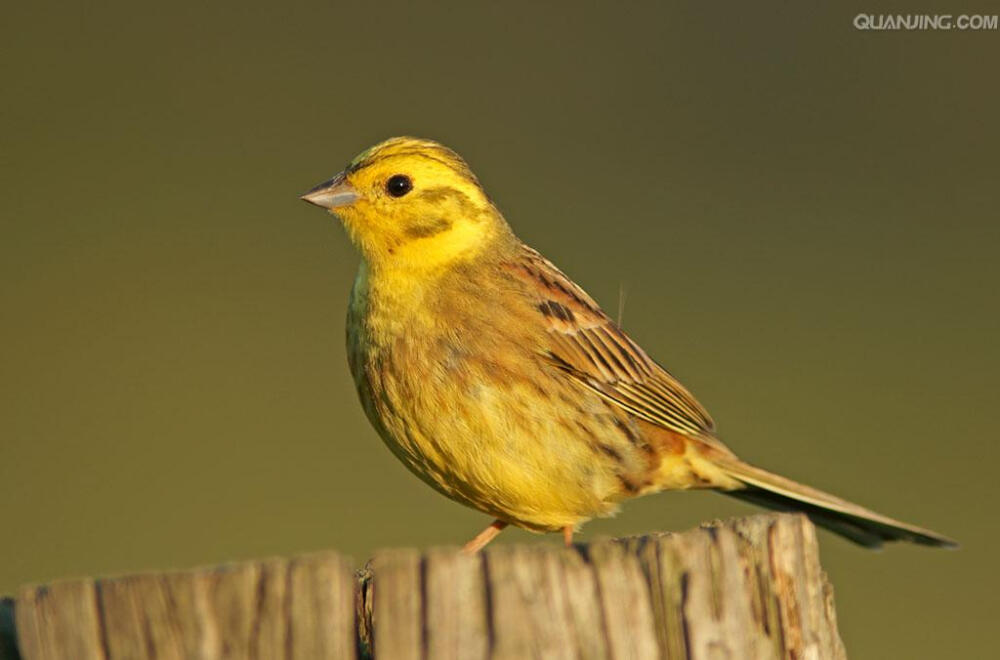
x,y
484,537
568,535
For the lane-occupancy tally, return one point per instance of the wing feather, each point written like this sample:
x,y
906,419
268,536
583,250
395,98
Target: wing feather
x,y
591,348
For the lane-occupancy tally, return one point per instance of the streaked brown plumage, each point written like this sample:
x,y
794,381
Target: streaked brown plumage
x,y
502,384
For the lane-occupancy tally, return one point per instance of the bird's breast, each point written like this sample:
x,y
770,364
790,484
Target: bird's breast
x,y
460,392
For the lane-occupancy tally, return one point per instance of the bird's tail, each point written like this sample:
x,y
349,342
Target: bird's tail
x,y
861,525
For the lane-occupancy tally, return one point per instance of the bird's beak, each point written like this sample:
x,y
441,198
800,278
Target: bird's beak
x,y
332,194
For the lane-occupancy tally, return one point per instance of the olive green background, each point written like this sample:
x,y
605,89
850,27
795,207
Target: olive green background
x,y
804,217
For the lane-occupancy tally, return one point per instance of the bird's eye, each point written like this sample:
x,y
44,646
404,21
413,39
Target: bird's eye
x,y
398,185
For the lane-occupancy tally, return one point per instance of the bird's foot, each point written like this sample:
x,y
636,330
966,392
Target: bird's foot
x,y
483,537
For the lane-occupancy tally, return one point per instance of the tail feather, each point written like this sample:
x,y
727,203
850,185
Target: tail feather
x,y
856,523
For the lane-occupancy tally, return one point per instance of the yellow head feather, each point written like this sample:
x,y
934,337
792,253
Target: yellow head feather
x,y
441,216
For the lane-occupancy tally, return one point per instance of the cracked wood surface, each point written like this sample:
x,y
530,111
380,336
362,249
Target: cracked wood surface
x,y
744,588
298,608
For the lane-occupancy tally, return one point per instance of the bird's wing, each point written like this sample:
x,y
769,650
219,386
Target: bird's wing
x,y
593,350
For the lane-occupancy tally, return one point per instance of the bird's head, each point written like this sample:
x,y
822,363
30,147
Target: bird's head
x,y
411,203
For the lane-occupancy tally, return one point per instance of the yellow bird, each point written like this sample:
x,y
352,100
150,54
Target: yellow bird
x,y
502,384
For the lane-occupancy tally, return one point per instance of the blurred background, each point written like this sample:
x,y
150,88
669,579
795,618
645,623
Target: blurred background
x,y
803,215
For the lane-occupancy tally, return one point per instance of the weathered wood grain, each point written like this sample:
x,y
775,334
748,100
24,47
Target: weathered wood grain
x,y
60,620
299,608
322,621
398,614
748,588
751,588
455,605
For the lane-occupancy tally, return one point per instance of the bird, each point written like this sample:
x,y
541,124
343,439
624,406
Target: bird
x,y
502,384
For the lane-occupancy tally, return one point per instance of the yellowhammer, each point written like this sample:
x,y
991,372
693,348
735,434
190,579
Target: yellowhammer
x,y
502,384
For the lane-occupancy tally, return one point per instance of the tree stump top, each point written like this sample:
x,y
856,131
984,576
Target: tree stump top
x,y
744,588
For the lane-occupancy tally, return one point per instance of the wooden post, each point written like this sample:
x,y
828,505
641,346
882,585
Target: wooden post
x,y
746,588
